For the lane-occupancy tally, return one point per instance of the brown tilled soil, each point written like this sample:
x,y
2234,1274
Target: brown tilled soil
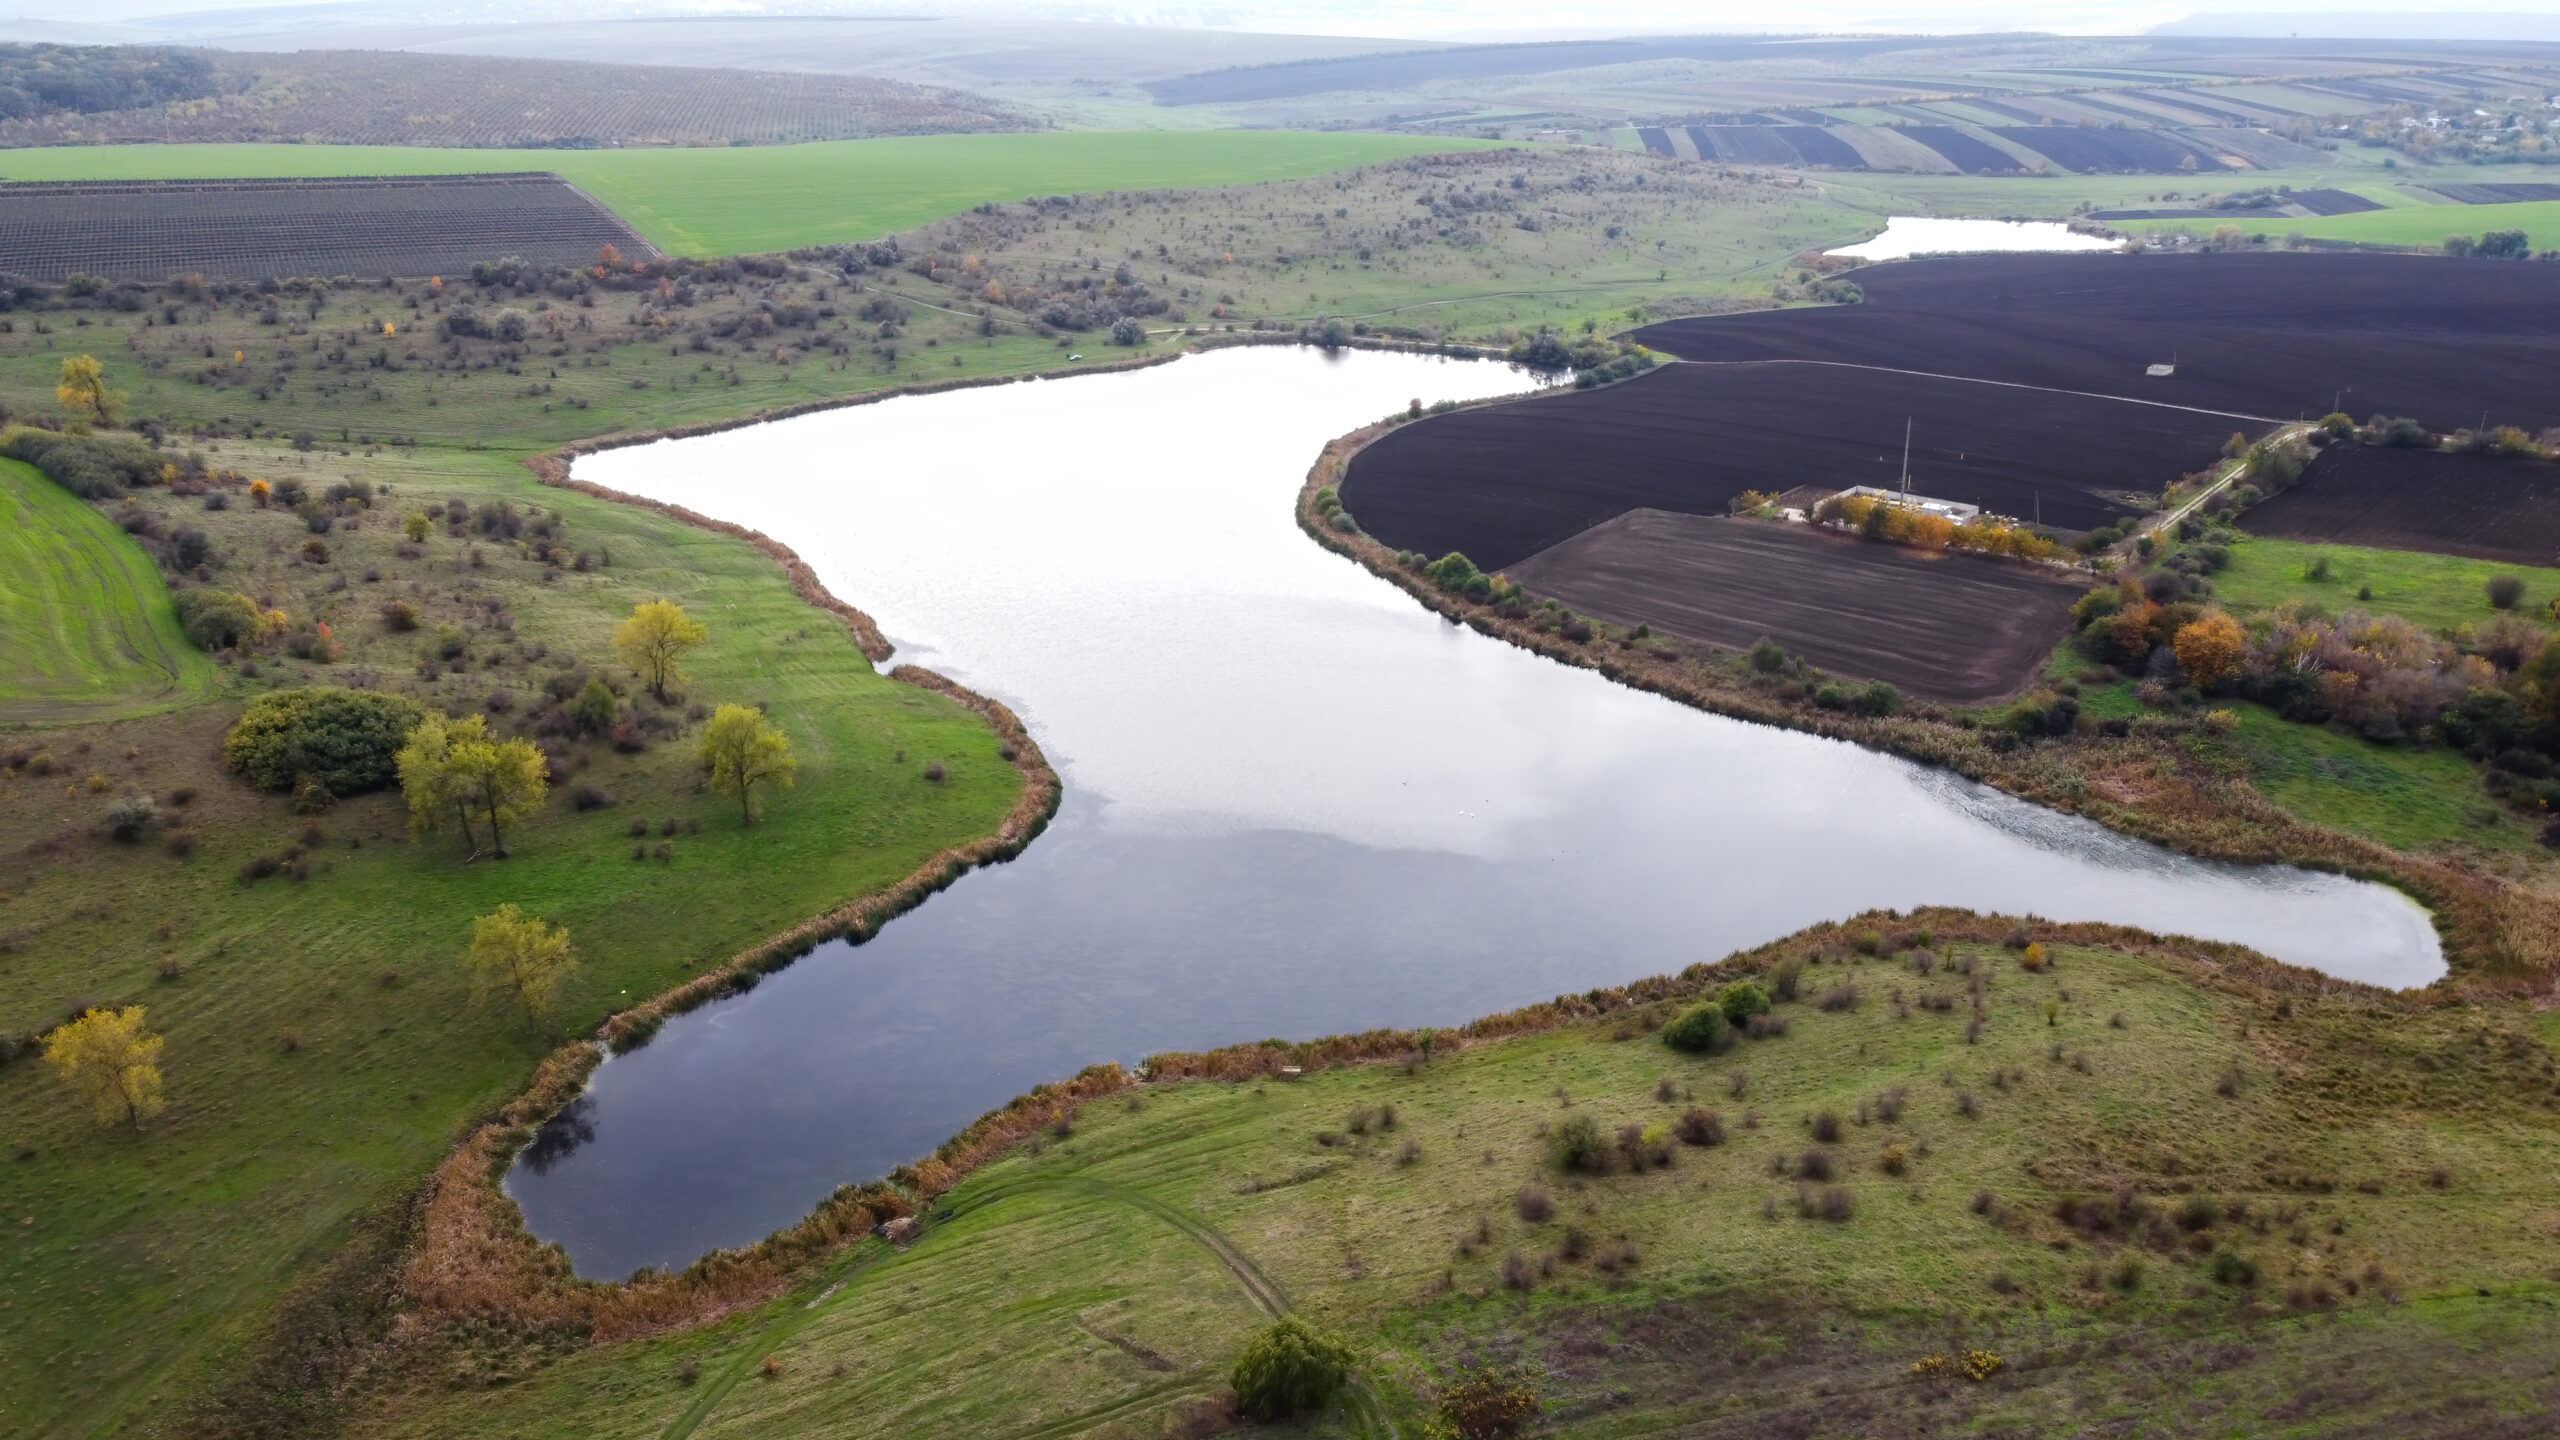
x,y
2277,335
2488,507
1956,628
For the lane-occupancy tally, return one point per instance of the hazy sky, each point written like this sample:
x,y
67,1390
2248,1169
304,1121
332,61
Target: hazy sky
x,y
1438,19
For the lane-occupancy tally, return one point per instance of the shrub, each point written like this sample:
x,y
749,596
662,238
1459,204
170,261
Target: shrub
x,y
1836,1205
595,709
2231,1268
1700,1127
591,797
93,467
1814,1164
1826,1128
1838,997
1785,978
1491,1403
1517,1272
1703,1030
217,619
2505,591
1534,1206
1895,1160
345,741
1741,1000
1288,1368
129,817
399,615
1578,1146
1767,656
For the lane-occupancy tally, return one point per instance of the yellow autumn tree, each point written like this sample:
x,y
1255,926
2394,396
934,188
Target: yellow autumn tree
x,y
746,753
112,1058
83,389
655,637
2209,650
521,957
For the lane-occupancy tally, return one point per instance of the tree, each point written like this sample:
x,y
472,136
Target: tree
x,y
2209,650
745,752
427,780
1289,1368
521,957
84,389
595,708
110,1057
654,639
500,783
218,619
347,741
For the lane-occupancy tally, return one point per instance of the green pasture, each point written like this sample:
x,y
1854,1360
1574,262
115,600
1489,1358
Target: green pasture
x,y
1101,1282
323,1048
2406,796
2440,592
89,631
2401,225
777,197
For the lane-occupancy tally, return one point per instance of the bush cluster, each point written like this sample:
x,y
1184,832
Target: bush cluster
x,y
93,467
344,742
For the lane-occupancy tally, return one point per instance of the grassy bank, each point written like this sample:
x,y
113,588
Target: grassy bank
x,y
90,633
323,1048
2370,1173
780,197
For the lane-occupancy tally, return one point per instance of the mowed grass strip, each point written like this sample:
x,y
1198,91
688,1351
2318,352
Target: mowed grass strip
x,y
323,1045
747,199
86,626
1009,1317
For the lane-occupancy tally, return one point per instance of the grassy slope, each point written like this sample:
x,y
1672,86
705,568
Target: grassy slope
x,y
2440,592
90,632
1009,1317
777,197
134,1264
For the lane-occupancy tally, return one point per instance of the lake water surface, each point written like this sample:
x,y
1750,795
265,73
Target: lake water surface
x,y
1296,803
1908,235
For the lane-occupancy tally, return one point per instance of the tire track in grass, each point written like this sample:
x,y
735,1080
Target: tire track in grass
x,y
1368,1412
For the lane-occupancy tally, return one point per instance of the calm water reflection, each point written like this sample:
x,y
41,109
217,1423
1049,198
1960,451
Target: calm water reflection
x,y
1296,802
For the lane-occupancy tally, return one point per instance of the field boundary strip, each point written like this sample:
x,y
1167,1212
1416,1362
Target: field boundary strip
x,y
2003,384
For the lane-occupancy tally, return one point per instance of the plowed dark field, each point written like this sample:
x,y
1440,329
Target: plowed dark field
x,y
1507,481
1957,628
2486,507
2344,202
255,229
2266,334
1963,151
2140,152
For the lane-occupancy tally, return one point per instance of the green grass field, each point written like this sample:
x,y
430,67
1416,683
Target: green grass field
x,y
90,632
1101,1283
2440,592
322,1044
779,197
2400,225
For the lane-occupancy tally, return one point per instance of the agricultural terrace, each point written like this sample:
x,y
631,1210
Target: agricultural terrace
x,y
323,1042
1502,482
1933,1143
1965,629
374,97
90,631
754,199
257,229
2283,336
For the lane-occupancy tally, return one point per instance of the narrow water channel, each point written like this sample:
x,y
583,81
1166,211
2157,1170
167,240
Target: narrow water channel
x,y
1297,803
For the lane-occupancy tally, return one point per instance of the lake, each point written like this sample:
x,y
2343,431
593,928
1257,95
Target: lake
x,y
1296,802
1908,235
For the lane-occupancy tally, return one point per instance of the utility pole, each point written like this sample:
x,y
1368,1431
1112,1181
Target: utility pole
x,y
1906,460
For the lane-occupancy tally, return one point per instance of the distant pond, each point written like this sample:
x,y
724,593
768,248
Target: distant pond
x,y
1296,803
1908,235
